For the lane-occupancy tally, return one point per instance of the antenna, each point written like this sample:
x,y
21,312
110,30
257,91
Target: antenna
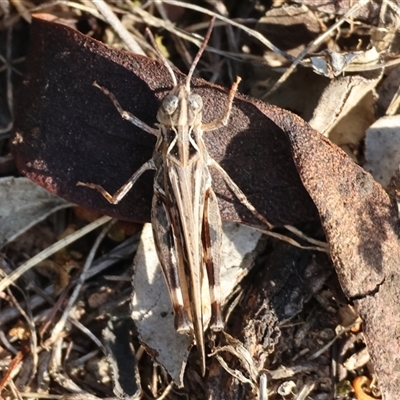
x,y
195,61
161,57
199,53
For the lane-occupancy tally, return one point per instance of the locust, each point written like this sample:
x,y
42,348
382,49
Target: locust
x,y
185,216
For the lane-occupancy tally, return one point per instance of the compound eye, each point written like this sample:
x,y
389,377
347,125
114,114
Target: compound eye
x,y
170,103
196,102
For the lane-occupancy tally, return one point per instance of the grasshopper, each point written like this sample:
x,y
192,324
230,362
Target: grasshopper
x,y
185,216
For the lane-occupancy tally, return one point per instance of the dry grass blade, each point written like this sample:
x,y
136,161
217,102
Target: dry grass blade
x,y
229,21
5,282
116,24
27,315
59,327
126,249
318,244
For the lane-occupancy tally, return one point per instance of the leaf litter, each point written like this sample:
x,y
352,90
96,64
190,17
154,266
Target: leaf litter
x,y
291,306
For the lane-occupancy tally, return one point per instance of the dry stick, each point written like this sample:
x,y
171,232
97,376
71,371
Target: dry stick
x,y
119,29
61,323
6,282
314,44
167,22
